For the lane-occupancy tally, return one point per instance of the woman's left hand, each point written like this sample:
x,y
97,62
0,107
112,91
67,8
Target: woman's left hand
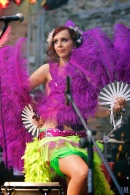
x,y
119,104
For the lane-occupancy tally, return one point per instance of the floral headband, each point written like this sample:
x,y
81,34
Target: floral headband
x,y
78,35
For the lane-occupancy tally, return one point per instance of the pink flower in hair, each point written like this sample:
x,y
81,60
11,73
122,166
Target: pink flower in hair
x,y
69,23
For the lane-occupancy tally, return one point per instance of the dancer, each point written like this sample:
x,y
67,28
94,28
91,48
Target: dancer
x,y
60,128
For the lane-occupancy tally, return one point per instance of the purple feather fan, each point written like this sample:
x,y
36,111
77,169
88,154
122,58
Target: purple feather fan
x,y
96,57
122,45
14,96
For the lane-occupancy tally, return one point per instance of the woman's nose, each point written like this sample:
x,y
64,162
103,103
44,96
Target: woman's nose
x,y
59,43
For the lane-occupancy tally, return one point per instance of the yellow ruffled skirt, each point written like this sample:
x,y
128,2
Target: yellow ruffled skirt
x,y
41,164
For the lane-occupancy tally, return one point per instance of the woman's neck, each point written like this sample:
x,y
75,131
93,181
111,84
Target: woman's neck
x,y
62,61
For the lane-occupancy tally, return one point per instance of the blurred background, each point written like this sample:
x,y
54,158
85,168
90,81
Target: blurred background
x,y
40,17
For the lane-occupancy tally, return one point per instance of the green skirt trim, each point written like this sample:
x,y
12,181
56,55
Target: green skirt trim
x,y
54,162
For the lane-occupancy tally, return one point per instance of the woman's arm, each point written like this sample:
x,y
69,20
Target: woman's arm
x,y
40,76
102,112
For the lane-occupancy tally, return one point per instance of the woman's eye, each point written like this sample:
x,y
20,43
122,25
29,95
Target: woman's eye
x,y
64,40
55,41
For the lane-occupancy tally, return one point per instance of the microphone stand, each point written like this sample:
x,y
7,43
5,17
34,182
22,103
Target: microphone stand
x,y
4,29
91,142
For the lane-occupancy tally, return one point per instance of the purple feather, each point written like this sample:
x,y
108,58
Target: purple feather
x,y
96,55
14,95
54,105
122,45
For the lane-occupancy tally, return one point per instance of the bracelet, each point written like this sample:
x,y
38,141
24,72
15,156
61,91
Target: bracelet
x,y
113,112
109,111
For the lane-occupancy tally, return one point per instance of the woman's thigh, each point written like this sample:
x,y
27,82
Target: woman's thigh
x,y
73,165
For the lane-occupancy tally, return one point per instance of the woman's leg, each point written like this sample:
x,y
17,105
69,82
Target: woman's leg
x,y
76,170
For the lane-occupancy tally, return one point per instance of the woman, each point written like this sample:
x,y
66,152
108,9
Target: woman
x,y
60,128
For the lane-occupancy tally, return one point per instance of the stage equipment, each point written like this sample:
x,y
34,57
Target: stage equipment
x,y
18,2
52,4
123,177
18,18
125,185
3,4
106,140
6,19
114,141
32,188
121,154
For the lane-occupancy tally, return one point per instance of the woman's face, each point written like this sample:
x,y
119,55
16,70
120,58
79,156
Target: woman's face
x,y
63,44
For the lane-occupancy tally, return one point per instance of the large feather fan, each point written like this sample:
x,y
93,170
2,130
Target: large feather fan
x,y
122,45
96,57
14,95
106,64
120,87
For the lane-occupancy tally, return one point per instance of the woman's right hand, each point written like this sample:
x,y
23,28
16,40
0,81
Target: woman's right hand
x,y
37,120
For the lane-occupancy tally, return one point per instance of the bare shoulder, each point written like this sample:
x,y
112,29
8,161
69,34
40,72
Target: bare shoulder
x,y
45,67
40,76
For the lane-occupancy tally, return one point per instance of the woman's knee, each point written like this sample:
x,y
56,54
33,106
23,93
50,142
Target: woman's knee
x,y
81,173
73,167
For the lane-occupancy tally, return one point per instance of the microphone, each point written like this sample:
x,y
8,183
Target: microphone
x,y
18,18
67,92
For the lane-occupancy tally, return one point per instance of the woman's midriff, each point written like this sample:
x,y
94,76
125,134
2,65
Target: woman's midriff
x,y
53,125
51,130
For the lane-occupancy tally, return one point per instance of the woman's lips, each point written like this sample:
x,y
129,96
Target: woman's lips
x,y
61,51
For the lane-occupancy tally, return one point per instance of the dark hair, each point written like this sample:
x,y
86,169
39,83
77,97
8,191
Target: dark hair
x,y
74,35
